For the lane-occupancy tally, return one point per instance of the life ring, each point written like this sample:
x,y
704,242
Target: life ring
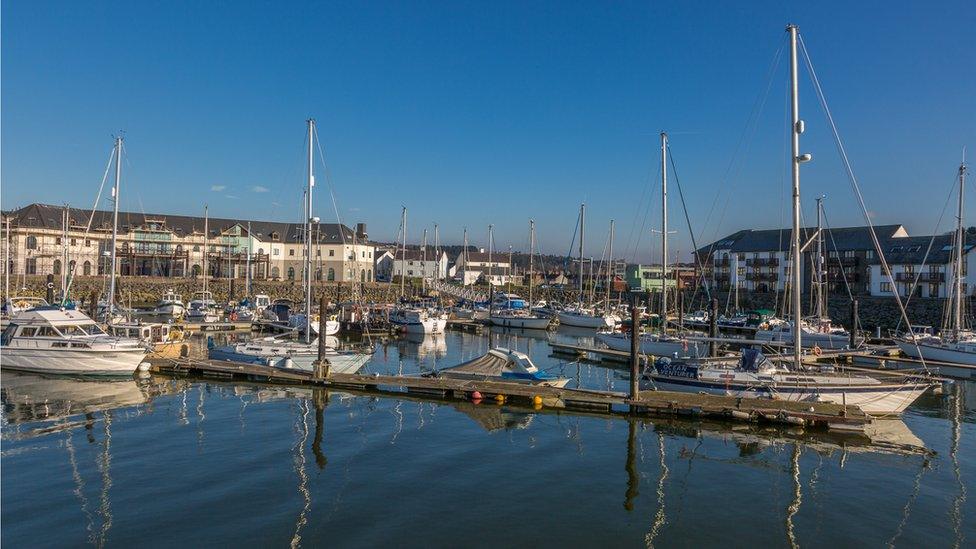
x,y
233,317
817,350
684,345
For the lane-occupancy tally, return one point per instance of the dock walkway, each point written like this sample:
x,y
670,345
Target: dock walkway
x,y
661,403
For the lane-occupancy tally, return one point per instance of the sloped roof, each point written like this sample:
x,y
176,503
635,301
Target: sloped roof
x,y
48,216
778,240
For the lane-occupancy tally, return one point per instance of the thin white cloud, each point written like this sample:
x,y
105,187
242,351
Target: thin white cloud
x,y
354,209
232,197
259,189
217,188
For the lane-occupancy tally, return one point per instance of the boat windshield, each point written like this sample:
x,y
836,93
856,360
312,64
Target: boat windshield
x,y
8,334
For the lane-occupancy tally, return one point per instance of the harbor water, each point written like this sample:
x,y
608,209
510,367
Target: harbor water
x,y
163,462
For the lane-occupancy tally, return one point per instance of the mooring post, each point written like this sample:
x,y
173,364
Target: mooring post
x,y
50,288
681,311
713,328
634,346
322,369
93,305
853,324
232,292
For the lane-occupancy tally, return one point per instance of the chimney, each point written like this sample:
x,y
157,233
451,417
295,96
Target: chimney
x,y
361,232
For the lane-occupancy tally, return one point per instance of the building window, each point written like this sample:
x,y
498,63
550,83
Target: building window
x,y
869,254
74,242
318,275
886,287
275,273
318,253
31,267
196,248
57,266
331,274
362,275
57,240
275,251
88,243
291,273
331,253
933,290
292,251
32,243
86,268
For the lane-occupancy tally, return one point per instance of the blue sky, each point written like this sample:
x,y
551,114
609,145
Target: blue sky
x,y
472,113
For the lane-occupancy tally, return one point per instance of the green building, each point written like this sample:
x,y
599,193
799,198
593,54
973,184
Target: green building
x,y
644,278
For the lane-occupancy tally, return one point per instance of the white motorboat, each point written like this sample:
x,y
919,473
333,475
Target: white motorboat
x,y
171,304
960,349
288,354
657,344
419,320
66,342
518,318
297,321
202,308
755,376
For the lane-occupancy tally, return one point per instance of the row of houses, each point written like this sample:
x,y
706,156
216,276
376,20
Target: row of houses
x,y
759,260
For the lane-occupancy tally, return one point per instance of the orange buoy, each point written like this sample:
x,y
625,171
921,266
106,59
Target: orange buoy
x,y
500,398
537,400
476,396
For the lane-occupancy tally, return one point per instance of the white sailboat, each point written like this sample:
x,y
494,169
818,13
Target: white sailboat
x,y
660,344
522,317
578,315
414,318
959,345
789,379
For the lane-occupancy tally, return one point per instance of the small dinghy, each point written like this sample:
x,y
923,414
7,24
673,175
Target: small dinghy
x,y
501,364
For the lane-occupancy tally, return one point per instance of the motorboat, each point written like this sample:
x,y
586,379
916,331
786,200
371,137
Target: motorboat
x,y
755,376
501,364
171,304
59,341
297,322
657,344
419,320
202,308
288,355
519,318
959,349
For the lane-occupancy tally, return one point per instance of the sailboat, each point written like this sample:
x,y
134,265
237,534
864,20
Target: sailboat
x,y
959,344
522,316
663,343
755,376
578,315
414,318
202,307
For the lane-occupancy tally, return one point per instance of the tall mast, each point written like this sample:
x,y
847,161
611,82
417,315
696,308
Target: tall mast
x,y
437,253
64,254
510,265
606,307
6,261
247,285
664,231
531,256
206,248
821,277
464,257
582,216
423,264
115,224
308,236
960,236
491,243
403,253
797,159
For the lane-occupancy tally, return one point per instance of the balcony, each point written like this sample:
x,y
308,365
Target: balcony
x,y
721,277
762,262
922,277
844,261
763,277
724,262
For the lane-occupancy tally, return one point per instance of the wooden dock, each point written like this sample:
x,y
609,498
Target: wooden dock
x,y
465,325
658,403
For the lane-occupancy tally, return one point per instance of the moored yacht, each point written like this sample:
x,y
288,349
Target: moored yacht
x,y
202,308
66,342
171,304
656,344
813,333
501,364
419,320
288,354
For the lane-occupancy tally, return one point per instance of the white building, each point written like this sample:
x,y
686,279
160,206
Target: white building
x,y
470,267
416,264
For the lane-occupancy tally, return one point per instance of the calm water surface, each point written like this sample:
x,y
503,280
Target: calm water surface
x,y
160,462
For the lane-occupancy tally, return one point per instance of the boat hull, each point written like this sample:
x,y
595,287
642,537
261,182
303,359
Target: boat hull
x,y
885,399
584,321
92,362
339,363
807,340
937,353
657,347
516,322
427,326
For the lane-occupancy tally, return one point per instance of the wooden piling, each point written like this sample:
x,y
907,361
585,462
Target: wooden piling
x,y
713,327
634,348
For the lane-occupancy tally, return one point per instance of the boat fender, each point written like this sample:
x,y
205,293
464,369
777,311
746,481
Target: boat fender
x,y
817,350
738,414
144,366
476,396
500,399
288,363
537,400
